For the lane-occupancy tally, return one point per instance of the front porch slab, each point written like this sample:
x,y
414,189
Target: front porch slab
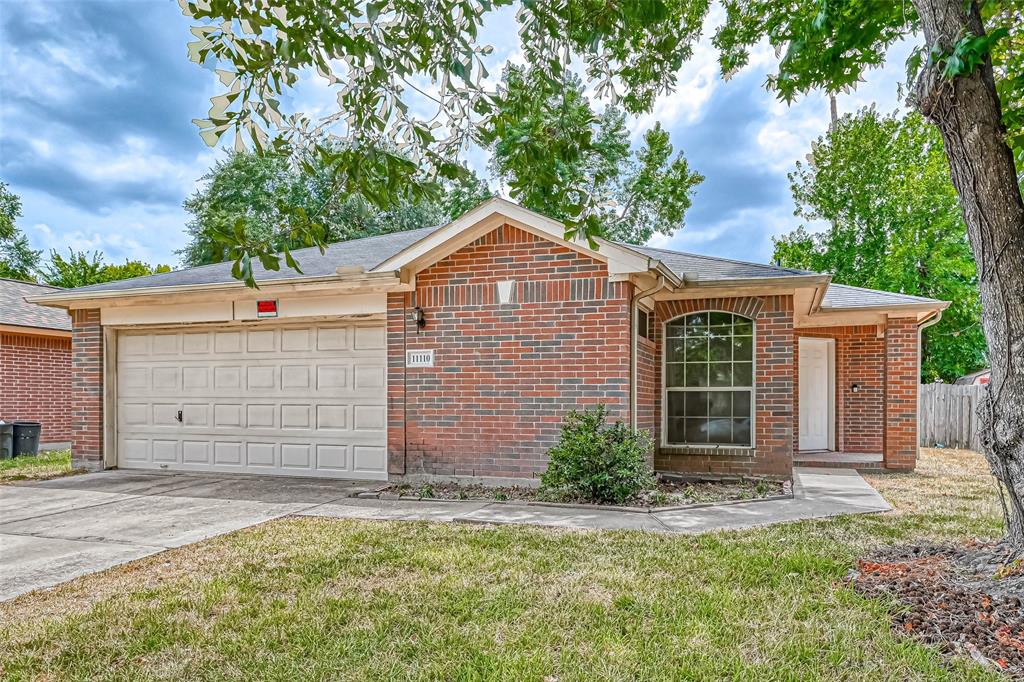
x,y
861,461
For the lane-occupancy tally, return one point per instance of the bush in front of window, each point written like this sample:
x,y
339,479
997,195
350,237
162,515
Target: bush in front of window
x,y
597,462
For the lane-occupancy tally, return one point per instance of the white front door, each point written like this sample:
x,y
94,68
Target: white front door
x,y
816,387
299,400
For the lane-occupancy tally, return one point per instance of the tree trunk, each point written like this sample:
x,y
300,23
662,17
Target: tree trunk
x,y
968,114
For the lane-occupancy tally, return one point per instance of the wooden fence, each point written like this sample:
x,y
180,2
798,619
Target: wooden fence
x,y
947,415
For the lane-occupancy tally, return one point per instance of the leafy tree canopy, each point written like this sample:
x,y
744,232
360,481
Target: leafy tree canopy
x,y
555,154
17,259
81,269
883,185
262,192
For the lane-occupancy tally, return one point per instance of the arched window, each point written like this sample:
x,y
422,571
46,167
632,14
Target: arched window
x,y
709,380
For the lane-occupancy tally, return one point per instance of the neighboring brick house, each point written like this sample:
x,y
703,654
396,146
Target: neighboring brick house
x,y
35,362
457,350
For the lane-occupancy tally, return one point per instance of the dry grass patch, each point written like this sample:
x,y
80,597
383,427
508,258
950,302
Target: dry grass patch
x,y
307,598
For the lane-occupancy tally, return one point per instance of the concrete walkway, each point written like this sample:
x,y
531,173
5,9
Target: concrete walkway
x,y
54,531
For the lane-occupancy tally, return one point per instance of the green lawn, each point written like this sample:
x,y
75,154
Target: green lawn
x,y
338,599
46,465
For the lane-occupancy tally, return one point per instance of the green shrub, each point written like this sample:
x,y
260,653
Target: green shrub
x,y
596,462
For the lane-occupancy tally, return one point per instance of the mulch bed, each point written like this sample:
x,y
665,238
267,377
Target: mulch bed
x,y
966,600
666,493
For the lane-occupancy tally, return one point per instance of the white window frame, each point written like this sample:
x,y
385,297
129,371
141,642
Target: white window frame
x,y
665,443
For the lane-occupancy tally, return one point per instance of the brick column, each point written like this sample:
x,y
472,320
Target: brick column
x,y
397,322
901,379
87,389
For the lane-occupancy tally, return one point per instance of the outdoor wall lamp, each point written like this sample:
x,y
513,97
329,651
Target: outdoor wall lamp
x,y
419,318
855,388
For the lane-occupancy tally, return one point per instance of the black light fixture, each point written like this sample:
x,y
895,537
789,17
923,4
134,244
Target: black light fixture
x,y
855,388
419,318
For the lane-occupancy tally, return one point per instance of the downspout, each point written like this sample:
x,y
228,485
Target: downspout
x,y
405,383
633,345
931,322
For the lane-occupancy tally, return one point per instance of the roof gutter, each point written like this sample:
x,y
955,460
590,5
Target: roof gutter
x,y
58,299
937,306
760,281
665,275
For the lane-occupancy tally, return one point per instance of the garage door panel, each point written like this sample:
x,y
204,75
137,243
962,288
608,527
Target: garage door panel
x,y
196,452
369,458
166,380
293,400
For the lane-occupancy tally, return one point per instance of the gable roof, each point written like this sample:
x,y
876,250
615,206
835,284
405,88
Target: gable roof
x,y
17,312
388,253
843,296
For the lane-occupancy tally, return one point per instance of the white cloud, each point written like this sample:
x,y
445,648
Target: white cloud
x,y
148,233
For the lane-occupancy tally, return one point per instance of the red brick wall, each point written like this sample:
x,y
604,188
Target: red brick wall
x,y
647,364
87,389
860,359
772,454
504,376
901,374
35,383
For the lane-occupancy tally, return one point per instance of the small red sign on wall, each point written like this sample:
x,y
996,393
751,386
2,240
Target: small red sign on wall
x,y
266,309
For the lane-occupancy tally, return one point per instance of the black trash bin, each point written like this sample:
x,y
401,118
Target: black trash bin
x,y
26,438
6,440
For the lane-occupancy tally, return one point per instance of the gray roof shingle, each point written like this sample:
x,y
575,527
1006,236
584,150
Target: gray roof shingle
x,y
371,251
713,268
16,311
367,252
839,296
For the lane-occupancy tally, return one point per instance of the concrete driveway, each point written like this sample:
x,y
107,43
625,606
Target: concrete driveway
x,y
53,531
57,530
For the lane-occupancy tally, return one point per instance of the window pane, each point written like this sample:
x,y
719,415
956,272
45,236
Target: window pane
x,y
696,321
676,400
720,430
674,373
719,403
721,374
741,431
696,374
720,350
742,326
743,374
675,329
696,430
720,319
741,404
743,348
676,433
674,349
643,324
696,404
696,350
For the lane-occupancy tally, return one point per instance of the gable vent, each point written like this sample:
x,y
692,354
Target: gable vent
x,y
419,358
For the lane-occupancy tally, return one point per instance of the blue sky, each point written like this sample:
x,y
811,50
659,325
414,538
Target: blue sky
x,y
97,97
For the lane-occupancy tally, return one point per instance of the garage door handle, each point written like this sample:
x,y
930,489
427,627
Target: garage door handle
x,y
178,416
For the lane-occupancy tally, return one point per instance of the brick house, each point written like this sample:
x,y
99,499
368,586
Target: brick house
x,y
35,362
457,350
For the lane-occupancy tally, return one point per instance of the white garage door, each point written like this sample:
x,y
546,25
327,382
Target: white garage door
x,y
301,401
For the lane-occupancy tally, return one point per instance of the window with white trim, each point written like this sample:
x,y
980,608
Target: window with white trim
x,y
709,379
